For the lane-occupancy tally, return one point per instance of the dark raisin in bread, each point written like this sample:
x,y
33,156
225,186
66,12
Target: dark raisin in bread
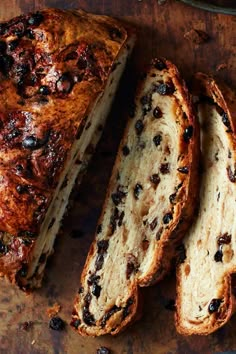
x,y
58,75
149,203
204,291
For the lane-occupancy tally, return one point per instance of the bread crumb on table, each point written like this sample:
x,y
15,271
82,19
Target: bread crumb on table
x,y
53,311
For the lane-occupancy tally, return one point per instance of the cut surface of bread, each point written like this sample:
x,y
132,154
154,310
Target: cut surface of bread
x,y
204,285
58,74
149,202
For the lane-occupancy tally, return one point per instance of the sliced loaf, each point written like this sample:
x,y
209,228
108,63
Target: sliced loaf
x,y
149,203
204,290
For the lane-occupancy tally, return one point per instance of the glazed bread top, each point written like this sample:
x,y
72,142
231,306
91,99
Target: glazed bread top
x,y
53,66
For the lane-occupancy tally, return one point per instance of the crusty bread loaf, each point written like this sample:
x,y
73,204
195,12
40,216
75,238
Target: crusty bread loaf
x,y
150,200
58,75
204,291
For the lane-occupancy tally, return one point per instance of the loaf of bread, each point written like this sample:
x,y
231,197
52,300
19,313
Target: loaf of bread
x,y
58,74
149,203
205,300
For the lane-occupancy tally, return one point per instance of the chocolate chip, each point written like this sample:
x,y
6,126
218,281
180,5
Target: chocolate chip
x,y
224,239
35,19
157,113
165,89
139,127
56,323
165,168
159,64
103,350
167,218
125,150
65,83
155,179
183,170
153,224
188,133
218,255
214,305
157,139
137,190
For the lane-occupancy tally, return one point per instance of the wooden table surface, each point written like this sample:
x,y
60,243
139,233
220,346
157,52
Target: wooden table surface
x,y
161,30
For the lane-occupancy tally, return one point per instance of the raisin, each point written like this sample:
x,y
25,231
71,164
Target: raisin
x,y
231,174
99,262
158,234
96,290
225,120
183,170
214,305
181,254
157,113
137,190
172,198
99,229
139,127
125,150
56,323
44,90
3,47
29,34
14,134
157,139
165,89
117,197
33,143
167,218
115,33
19,168
165,168
23,271
35,19
21,188
218,255
155,179
22,69
88,318
19,30
132,110
126,310
25,325
6,62
146,102
188,133
65,83
224,239
3,248
75,323
111,312
153,224
103,350
130,269
159,64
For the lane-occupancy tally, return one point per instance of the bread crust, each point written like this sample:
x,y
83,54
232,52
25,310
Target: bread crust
x,y
206,86
184,210
53,66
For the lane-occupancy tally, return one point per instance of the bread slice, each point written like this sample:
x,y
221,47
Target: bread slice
x,y
204,291
58,74
149,203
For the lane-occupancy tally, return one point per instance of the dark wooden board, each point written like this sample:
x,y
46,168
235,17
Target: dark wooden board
x,y
161,30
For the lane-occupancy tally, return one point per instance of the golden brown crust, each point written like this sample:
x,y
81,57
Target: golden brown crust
x,y
53,65
205,87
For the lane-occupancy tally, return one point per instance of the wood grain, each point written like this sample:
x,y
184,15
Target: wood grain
x,y
161,30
